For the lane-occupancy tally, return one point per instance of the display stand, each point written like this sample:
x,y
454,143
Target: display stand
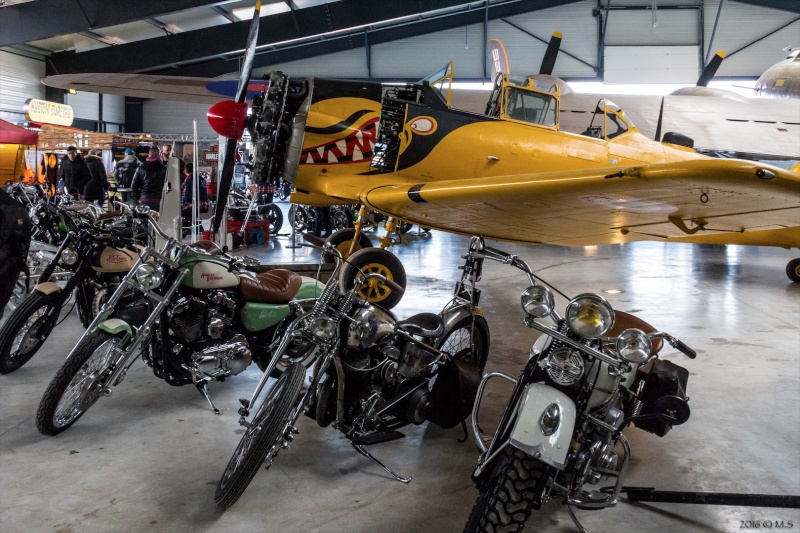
x,y
649,494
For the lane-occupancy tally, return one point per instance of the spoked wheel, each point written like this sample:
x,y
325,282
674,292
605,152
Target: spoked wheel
x,y
375,260
78,383
274,214
343,239
27,328
341,218
301,217
507,501
468,341
263,438
793,270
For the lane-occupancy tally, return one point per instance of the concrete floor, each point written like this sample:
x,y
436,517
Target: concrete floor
x,y
148,458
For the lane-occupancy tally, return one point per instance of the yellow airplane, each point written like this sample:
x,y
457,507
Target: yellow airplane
x,y
507,174
510,173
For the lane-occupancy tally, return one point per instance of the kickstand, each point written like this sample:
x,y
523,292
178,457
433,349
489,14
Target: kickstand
x,y
360,449
466,434
203,388
575,521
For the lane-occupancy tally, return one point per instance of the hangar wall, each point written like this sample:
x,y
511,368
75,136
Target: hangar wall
x,y
19,80
162,116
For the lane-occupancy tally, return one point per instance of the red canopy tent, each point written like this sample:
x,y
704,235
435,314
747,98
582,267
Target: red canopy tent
x,y
11,134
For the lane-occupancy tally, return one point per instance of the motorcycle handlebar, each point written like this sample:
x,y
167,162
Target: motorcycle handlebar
x,y
394,287
685,350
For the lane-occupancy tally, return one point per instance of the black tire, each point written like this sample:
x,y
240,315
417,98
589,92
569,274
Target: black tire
x,y
342,240
371,260
507,501
262,440
793,270
404,227
468,340
275,216
341,219
27,328
83,374
301,217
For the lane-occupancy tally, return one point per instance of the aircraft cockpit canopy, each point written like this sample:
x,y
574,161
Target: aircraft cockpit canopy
x,y
525,100
608,121
441,81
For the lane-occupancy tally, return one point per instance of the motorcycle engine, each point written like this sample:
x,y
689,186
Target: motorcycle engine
x,y
203,324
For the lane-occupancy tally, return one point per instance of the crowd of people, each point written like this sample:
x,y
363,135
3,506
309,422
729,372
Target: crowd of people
x,y
140,182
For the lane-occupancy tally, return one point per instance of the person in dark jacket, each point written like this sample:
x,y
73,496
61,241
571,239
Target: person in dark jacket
x,y
96,189
148,182
125,171
73,172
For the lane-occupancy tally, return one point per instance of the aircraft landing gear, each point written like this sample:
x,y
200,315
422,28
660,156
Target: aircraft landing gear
x,y
793,270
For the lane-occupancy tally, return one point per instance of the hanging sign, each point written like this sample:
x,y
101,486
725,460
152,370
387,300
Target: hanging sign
x,y
48,112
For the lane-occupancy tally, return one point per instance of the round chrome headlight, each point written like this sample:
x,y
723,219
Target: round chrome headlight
x,y
590,316
150,276
537,301
69,256
323,328
35,220
633,345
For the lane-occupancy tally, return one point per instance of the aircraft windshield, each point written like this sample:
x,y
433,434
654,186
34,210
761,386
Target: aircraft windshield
x,y
442,80
530,106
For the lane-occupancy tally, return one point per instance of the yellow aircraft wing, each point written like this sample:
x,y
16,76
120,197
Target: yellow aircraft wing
x,y
715,201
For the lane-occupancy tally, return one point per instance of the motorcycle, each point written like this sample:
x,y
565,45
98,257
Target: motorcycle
x,y
198,316
372,373
592,374
83,271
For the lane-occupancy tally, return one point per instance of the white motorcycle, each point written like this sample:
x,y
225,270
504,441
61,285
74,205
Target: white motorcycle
x,y
589,376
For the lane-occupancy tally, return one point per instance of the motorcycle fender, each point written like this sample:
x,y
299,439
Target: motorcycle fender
x,y
256,316
48,287
117,327
527,434
452,316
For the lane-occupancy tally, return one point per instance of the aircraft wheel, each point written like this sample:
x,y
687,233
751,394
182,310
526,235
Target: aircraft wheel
x,y
404,227
343,238
793,270
375,260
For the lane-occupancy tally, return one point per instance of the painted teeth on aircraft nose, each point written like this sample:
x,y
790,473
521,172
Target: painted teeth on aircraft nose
x,y
332,158
357,155
342,146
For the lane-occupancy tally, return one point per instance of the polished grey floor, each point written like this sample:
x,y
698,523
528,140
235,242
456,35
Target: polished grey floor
x,y
148,458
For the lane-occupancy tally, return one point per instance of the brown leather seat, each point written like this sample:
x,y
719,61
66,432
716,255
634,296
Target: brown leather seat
x,y
109,214
273,287
208,247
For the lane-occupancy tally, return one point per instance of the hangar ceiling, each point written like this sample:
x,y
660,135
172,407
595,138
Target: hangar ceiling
x,y
204,38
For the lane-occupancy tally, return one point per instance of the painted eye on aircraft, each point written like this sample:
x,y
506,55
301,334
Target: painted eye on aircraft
x,y
423,125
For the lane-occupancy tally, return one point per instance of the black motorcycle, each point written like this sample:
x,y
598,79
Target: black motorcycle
x,y
372,373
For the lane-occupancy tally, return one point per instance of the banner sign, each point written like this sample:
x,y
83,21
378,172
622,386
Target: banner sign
x,y
48,112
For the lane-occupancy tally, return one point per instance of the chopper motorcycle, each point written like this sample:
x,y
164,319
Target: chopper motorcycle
x,y
89,265
371,373
593,373
200,316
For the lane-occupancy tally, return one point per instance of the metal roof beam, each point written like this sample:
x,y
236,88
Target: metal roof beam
x,y
43,19
209,51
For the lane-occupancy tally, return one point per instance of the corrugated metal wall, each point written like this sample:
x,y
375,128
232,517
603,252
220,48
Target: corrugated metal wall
x,y
161,116
19,80
740,25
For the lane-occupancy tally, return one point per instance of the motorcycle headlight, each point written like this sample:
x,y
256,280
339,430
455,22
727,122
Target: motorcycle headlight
x,y
590,316
323,328
35,220
633,345
150,276
537,301
69,256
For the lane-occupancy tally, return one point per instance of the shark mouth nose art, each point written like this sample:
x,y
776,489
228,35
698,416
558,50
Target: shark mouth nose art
x,y
356,146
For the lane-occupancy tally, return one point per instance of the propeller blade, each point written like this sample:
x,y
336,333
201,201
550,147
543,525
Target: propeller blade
x,y
660,116
549,59
234,115
711,69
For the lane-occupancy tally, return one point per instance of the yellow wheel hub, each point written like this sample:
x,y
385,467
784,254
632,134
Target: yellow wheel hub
x,y
344,248
373,290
